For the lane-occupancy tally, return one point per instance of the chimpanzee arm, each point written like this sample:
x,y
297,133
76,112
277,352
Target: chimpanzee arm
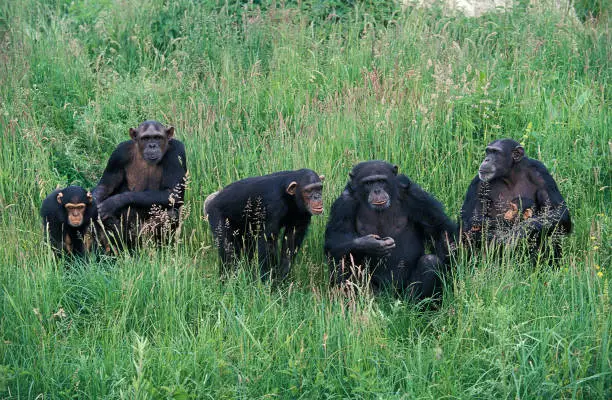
x,y
291,242
340,231
114,174
471,211
53,223
426,211
175,173
552,209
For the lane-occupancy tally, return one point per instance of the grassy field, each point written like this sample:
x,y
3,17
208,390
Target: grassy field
x,y
252,89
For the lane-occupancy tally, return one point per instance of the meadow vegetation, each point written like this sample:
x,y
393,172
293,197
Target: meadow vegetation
x,y
255,88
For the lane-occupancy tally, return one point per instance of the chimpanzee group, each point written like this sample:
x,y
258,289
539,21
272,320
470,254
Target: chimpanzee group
x,y
142,188
383,228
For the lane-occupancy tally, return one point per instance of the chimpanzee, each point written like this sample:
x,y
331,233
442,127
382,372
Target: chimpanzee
x,y
509,183
67,220
250,213
383,221
143,185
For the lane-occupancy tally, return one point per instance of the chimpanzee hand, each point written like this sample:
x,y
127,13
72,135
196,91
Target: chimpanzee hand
x,y
109,207
373,244
527,229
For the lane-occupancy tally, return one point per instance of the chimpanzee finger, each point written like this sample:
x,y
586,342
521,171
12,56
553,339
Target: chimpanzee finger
x,y
389,241
104,211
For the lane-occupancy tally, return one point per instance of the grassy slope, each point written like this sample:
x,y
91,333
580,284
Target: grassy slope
x,y
269,90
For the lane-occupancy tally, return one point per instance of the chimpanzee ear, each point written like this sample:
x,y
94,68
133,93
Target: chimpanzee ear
x,y
89,197
322,177
134,133
170,132
518,153
404,182
291,188
395,169
59,197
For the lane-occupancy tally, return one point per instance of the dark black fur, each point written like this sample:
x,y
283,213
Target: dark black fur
x,y
248,216
512,177
64,238
402,228
142,173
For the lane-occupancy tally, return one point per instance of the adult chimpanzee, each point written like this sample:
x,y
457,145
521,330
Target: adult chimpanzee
x,y
143,184
509,183
67,220
383,221
249,214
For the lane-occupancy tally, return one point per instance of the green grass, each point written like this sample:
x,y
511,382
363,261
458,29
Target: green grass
x,y
254,89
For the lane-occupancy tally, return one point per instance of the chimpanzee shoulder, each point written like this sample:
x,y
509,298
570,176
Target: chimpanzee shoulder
x,y
423,208
343,209
177,147
121,156
470,202
544,177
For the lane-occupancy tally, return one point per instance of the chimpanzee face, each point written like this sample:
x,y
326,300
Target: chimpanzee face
x,y
377,189
312,195
152,138
501,156
308,193
75,201
375,183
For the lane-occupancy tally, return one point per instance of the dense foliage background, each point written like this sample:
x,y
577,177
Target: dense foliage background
x,y
255,87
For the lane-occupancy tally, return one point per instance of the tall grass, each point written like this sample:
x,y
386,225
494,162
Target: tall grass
x,y
255,88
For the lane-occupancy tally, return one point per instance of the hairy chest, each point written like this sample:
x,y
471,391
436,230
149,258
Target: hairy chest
x,y
388,223
141,176
501,200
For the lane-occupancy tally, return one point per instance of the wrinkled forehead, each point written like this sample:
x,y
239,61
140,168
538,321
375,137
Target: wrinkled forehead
x,y
372,171
74,196
313,186
310,180
492,147
502,144
150,128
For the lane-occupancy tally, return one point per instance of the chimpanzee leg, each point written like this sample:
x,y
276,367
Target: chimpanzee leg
x,y
225,243
227,254
267,251
424,279
292,240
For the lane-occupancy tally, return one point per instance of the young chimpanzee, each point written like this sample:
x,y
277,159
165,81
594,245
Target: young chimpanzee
x,y
143,185
519,210
249,215
507,183
67,220
383,221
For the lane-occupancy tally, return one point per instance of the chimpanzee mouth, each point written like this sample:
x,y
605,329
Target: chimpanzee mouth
x,y
380,205
317,210
151,157
75,223
485,174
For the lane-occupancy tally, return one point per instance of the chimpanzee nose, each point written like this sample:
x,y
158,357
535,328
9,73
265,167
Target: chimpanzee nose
x,y
151,145
376,191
